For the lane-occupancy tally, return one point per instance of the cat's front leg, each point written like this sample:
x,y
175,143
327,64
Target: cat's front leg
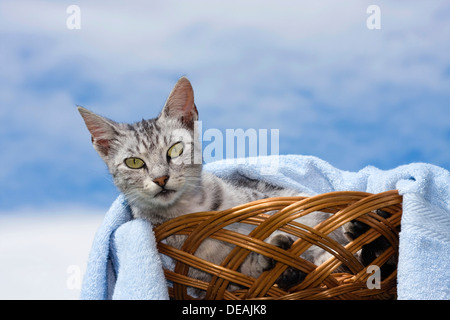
x,y
255,264
290,276
374,249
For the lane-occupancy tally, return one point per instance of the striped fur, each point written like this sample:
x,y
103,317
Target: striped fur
x,y
192,190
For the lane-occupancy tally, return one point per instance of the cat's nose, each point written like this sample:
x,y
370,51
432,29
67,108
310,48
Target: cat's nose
x,y
161,181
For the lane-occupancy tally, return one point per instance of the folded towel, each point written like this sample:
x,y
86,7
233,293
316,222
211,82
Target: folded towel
x,y
124,264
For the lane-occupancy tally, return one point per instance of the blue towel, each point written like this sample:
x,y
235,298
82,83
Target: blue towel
x,y
124,263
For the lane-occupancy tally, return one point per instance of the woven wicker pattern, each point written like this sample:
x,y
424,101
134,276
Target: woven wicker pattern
x,y
320,282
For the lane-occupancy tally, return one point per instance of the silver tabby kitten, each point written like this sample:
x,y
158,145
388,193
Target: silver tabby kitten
x,y
152,163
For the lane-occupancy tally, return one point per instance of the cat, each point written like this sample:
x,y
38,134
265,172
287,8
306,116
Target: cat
x,y
152,164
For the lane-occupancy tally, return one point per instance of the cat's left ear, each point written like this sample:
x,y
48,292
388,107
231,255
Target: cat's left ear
x,y
180,104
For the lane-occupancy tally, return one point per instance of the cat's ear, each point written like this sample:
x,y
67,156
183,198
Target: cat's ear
x,y
103,131
180,104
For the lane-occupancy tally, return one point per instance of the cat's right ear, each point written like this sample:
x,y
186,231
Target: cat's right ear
x,y
103,131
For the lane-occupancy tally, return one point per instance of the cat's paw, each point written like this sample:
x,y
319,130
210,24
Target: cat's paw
x,y
372,250
290,276
354,228
279,240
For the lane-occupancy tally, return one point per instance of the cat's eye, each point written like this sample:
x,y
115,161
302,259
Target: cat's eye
x,y
175,151
134,163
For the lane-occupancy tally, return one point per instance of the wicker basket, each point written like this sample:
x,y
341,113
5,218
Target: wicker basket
x,y
320,282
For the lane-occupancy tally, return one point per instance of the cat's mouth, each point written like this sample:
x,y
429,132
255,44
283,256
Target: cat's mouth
x,y
165,193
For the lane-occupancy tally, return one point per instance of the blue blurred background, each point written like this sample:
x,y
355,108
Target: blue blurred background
x,y
312,69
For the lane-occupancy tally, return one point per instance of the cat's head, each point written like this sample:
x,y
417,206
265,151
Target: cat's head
x,y
152,161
